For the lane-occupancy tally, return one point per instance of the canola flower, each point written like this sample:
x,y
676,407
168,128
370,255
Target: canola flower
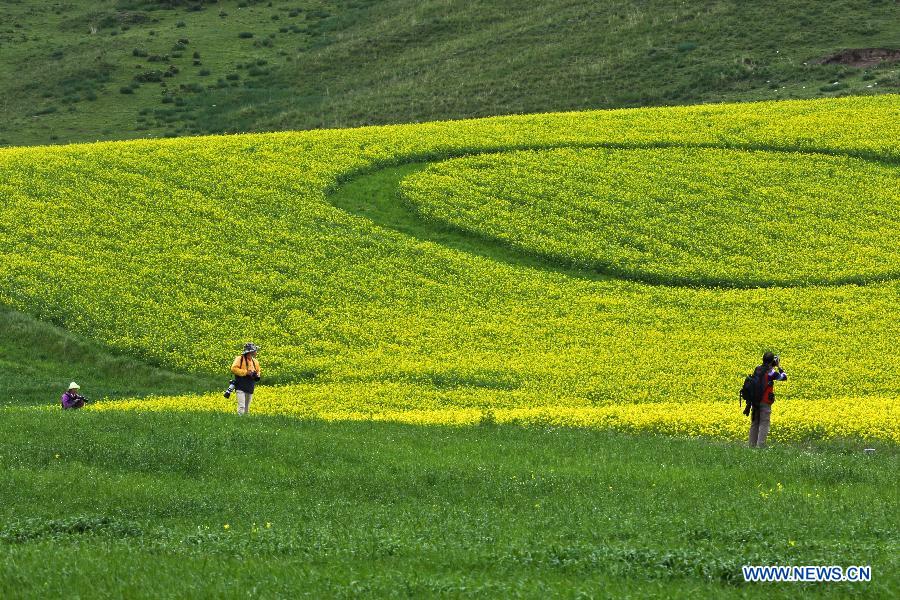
x,y
797,420
679,215
183,249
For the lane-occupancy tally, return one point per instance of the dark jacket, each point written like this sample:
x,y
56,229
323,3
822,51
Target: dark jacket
x,y
770,376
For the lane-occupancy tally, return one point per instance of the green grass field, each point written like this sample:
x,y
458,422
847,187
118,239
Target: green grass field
x,y
160,504
117,69
443,389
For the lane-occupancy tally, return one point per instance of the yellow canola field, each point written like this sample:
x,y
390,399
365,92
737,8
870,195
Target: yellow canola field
x,y
795,420
678,215
178,251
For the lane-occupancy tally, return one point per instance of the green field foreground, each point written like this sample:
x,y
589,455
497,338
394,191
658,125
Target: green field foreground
x,y
160,504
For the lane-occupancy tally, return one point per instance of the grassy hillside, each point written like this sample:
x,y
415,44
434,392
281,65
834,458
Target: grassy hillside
x,y
115,69
39,360
184,249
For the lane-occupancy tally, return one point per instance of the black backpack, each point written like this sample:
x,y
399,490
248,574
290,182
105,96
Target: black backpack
x,y
752,391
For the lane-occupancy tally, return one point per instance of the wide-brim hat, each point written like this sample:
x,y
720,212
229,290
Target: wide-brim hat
x,y
74,386
250,347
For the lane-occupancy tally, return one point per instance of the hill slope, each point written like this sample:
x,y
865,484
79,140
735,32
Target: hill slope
x,y
369,304
116,69
39,360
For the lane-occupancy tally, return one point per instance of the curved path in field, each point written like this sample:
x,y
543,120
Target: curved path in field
x,y
375,195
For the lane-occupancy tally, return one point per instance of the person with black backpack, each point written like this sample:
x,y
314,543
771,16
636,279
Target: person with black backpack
x,y
759,394
246,371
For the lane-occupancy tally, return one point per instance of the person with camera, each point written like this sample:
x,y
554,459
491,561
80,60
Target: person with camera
x,y
72,399
246,373
768,372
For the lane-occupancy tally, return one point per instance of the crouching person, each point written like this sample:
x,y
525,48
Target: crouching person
x,y
72,399
246,373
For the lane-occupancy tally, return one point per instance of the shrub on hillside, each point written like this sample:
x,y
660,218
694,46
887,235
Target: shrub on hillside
x,y
162,4
191,88
149,77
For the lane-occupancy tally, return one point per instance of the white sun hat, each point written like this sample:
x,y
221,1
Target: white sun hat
x,y
74,386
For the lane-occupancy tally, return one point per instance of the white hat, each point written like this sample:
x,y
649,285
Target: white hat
x,y
74,386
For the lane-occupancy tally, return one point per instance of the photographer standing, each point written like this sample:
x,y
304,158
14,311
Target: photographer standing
x,y
246,371
768,373
71,399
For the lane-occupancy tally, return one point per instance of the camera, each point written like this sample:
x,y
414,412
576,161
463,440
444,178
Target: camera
x,y
229,390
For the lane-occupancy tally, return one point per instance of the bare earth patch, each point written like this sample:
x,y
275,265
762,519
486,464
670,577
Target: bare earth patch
x,y
862,57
